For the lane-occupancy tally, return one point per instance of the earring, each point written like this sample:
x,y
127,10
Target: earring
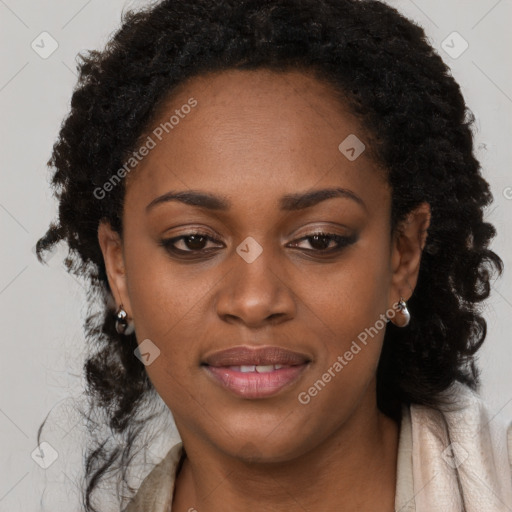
x,y
402,307
123,326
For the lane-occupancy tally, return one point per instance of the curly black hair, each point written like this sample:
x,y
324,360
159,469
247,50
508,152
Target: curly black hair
x,y
400,90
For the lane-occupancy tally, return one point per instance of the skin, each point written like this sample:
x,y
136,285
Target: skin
x,y
254,137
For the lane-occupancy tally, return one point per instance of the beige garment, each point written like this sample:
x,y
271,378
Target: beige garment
x,y
457,461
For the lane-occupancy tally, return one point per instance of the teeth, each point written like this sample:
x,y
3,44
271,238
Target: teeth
x,y
265,369
257,368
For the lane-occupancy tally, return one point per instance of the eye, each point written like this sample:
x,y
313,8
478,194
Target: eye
x,y
326,242
196,243
191,243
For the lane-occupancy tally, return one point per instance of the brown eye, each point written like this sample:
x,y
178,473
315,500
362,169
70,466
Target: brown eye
x,y
195,242
190,243
326,242
320,242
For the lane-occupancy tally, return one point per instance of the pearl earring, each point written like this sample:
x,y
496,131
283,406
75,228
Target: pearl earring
x,y
123,325
402,307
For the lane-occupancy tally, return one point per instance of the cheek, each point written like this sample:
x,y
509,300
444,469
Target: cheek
x,y
166,307
351,295
348,306
166,311
162,296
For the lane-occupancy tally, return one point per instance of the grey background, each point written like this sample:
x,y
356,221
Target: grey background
x,y
42,307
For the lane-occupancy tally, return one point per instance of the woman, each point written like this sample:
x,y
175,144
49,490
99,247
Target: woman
x,y
280,209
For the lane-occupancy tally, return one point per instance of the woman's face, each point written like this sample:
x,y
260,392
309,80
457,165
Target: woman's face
x,y
254,147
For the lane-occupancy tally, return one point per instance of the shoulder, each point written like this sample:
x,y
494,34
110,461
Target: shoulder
x,y
482,418
156,490
471,439
470,415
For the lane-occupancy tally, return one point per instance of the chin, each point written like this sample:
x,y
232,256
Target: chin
x,y
259,448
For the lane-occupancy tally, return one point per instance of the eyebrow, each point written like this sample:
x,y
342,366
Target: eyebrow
x,y
289,202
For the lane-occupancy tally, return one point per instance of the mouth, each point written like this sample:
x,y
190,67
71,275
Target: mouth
x,y
259,368
255,372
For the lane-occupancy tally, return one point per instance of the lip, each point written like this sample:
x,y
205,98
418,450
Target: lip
x,y
224,368
245,355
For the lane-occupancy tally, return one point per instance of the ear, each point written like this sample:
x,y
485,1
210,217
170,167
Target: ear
x,y
406,249
112,249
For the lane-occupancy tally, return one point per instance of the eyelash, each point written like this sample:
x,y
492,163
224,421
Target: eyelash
x,y
342,242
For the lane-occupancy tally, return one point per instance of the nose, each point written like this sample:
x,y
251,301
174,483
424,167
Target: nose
x,y
256,294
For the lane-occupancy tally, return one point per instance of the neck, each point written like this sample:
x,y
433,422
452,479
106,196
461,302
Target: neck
x,y
354,469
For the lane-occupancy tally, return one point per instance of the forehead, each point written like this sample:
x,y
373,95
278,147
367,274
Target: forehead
x,y
258,131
